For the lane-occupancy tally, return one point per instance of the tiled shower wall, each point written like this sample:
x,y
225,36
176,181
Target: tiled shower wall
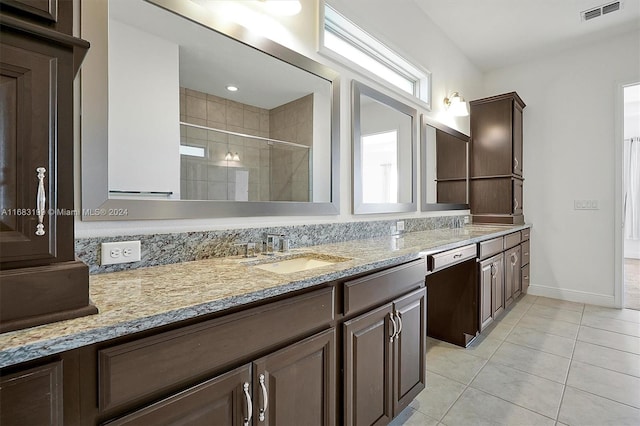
x,y
163,249
274,172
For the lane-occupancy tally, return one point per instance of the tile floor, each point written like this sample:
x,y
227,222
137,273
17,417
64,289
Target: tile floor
x,y
544,362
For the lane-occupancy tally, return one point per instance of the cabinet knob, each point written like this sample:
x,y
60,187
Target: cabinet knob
x,y
41,201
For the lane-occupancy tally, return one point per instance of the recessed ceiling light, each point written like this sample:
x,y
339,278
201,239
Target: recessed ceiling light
x,y
232,88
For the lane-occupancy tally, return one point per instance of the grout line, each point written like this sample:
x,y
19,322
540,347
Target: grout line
x,y
604,397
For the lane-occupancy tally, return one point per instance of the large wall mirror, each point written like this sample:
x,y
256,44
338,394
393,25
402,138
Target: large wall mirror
x,y
384,150
182,119
444,167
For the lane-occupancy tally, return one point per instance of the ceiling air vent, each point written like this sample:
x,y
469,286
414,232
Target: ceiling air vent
x,y
595,12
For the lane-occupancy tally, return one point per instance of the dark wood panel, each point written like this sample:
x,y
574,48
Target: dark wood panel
x,y
47,9
525,278
300,381
497,288
219,401
43,294
452,304
410,369
518,203
486,293
491,247
32,397
451,156
491,138
452,191
517,139
367,368
380,287
491,196
56,15
511,240
512,275
150,365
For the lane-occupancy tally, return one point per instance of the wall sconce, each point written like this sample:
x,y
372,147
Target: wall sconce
x,y
229,156
456,105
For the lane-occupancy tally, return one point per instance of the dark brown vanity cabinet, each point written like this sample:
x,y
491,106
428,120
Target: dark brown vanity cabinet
x,y
491,289
385,356
36,200
32,396
293,386
512,269
496,174
525,249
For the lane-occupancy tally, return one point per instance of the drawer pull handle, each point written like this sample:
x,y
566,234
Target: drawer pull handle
x,y
526,277
245,388
457,256
515,204
516,164
493,270
514,259
265,398
399,323
41,200
526,253
395,327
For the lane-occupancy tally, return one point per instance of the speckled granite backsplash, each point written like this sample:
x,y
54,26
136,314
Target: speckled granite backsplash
x,y
164,249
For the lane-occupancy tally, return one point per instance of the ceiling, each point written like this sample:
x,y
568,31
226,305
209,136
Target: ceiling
x,y
497,33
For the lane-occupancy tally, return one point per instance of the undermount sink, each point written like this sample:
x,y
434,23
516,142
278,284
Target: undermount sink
x,y
299,263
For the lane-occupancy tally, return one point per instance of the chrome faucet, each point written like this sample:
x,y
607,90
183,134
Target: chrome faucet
x,y
249,249
271,244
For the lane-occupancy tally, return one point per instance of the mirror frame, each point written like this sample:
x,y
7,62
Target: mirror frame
x,y
358,89
424,206
95,201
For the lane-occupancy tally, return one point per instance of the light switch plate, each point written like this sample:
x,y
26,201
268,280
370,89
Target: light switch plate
x,y
120,252
585,204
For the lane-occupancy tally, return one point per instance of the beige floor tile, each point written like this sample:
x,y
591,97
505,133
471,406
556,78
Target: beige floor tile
x,y
610,324
411,417
605,383
543,364
453,363
483,346
619,314
550,326
609,339
526,390
582,408
541,341
555,303
498,330
513,315
475,407
528,298
438,397
555,313
612,359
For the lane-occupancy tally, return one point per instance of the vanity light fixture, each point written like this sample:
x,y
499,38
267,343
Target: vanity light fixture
x,y
283,7
232,88
236,157
228,156
456,105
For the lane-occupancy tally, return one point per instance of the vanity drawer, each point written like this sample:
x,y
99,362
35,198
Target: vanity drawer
x,y
525,253
511,240
155,364
377,288
491,247
451,257
525,234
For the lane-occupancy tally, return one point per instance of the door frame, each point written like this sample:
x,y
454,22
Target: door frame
x,y
618,291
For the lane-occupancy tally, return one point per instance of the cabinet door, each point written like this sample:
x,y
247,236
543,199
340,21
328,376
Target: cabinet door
x,y
486,293
367,368
35,86
517,139
297,385
47,9
219,401
32,397
517,197
498,286
409,361
491,133
525,278
512,275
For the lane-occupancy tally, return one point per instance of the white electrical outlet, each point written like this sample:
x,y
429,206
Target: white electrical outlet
x,y
120,252
585,204
400,225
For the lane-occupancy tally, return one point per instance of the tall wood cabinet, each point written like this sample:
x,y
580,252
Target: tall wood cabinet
x,y
496,176
40,280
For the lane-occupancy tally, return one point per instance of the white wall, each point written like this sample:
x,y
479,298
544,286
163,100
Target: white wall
x,y
569,153
398,24
144,106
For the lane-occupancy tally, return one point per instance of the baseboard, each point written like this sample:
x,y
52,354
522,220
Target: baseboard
x,y
572,295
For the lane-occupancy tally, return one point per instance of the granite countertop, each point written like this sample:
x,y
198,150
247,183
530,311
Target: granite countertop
x,y
141,299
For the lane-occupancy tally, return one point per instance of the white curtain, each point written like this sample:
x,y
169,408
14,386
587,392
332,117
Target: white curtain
x,y
632,188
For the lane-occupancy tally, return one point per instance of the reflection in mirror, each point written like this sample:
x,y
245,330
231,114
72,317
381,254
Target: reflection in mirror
x,y
444,167
196,115
384,143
